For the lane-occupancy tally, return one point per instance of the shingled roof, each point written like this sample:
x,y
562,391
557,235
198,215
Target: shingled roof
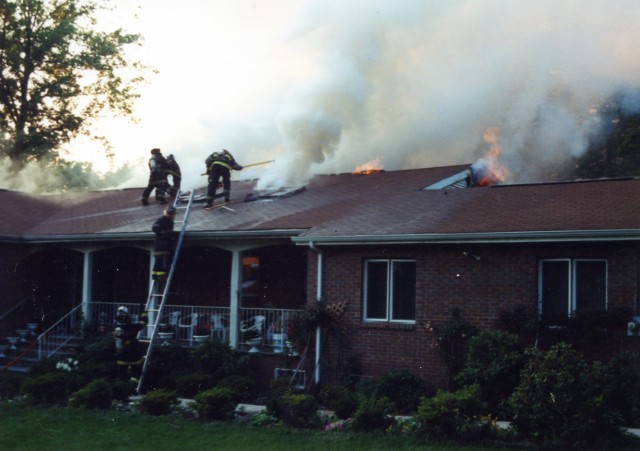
x,y
385,206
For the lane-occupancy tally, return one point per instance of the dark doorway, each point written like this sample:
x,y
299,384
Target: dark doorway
x,y
120,275
54,279
202,277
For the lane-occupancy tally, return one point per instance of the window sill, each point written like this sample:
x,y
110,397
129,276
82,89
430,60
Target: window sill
x,y
386,325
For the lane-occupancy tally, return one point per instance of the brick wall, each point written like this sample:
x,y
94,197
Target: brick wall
x,y
480,280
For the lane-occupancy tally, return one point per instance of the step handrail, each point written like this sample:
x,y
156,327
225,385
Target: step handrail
x,y
42,337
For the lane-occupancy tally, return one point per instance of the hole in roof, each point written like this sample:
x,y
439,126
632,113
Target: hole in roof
x,y
275,193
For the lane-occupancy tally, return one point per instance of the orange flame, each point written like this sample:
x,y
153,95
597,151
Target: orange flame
x,y
489,170
369,167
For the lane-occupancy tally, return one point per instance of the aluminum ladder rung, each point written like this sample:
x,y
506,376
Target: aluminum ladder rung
x,y
151,304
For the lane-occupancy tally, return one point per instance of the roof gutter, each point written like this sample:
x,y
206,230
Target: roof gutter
x,y
475,237
145,236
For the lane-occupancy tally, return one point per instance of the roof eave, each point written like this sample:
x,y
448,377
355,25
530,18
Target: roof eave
x,y
146,236
479,237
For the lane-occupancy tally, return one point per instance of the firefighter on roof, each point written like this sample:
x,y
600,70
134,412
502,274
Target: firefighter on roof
x,y
129,355
172,169
157,178
219,165
164,244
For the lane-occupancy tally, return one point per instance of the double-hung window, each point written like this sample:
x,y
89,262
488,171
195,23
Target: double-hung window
x,y
389,290
569,286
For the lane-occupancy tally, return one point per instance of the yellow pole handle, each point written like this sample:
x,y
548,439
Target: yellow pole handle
x,y
252,164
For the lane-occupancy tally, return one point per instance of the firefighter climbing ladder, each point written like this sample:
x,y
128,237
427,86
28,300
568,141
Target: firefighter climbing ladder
x,y
156,300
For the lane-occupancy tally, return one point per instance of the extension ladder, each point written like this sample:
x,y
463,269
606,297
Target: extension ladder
x,y
157,293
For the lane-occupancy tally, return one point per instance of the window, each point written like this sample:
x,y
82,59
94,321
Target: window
x,y
390,290
567,286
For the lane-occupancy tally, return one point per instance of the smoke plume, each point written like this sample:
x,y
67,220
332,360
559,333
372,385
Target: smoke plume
x,y
416,83
325,86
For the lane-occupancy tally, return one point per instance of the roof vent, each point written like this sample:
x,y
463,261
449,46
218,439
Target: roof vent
x,y
460,180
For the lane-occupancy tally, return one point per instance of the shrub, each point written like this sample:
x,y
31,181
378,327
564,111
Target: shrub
x,y
97,394
452,337
300,410
167,364
122,389
403,389
623,386
494,362
97,362
218,359
371,415
215,404
562,400
340,399
49,388
157,402
191,384
9,384
294,409
244,388
452,414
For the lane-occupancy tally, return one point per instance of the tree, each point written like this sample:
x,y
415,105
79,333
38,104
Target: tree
x,y
57,74
617,151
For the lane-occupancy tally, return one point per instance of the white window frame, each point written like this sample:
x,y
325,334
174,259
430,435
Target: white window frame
x,y
572,289
389,295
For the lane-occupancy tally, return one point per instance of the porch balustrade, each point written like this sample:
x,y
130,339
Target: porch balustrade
x,y
191,323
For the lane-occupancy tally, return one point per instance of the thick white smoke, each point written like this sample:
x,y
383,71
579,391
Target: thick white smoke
x,y
415,83
322,86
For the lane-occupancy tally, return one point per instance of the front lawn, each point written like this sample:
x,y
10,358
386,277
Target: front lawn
x,y
38,428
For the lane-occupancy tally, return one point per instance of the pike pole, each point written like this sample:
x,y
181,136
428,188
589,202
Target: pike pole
x,y
257,164
252,164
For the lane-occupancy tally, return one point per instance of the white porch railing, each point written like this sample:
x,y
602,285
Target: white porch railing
x,y
191,322
60,333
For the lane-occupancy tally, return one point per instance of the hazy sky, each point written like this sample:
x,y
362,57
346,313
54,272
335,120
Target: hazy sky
x,y
322,86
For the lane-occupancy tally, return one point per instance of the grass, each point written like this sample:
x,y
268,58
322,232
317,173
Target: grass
x,y
38,428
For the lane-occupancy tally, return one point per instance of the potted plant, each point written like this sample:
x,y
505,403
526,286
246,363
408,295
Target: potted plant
x,y
166,332
202,332
253,338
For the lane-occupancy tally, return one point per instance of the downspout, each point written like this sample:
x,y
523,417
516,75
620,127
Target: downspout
x,y
318,299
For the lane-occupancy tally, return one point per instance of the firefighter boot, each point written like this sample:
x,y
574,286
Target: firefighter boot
x,y
226,196
145,201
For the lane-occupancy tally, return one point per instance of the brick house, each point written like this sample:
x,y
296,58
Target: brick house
x,y
397,251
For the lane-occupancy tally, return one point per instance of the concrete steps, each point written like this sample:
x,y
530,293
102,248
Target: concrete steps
x,y
26,351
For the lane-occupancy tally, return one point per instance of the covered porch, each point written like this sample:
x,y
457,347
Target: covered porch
x,y
261,330
242,294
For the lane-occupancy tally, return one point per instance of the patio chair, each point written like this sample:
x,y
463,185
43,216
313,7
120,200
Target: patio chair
x,y
189,323
219,327
172,319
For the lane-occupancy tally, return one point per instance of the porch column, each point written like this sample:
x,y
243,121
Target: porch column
x,y
152,304
87,265
234,298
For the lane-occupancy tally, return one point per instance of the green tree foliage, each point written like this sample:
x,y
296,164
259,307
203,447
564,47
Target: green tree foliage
x,y
58,72
617,153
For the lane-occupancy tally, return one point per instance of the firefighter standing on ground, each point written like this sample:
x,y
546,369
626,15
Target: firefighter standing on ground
x,y
129,355
220,164
173,169
157,178
164,244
